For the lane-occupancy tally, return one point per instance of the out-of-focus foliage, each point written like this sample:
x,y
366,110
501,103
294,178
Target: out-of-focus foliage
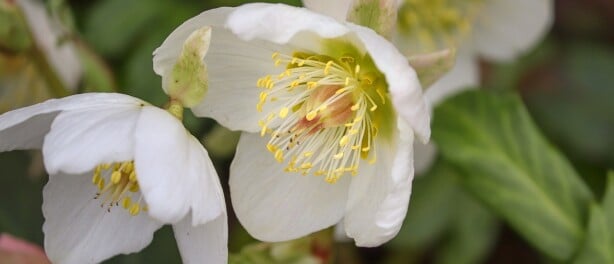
x,y
498,173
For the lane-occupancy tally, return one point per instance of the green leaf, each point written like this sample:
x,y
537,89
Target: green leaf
x,y
473,233
599,244
431,209
511,168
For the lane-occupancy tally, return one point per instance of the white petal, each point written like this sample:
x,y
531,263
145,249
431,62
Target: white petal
x,y
174,170
80,140
78,230
234,67
337,9
281,23
463,75
205,243
379,195
25,128
276,206
403,83
207,197
48,35
507,28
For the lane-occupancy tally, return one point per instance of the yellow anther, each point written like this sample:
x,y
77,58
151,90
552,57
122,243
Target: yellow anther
x,y
272,148
132,176
355,147
134,209
327,67
274,55
373,160
134,188
96,178
365,149
355,107
277,63
306,166
263,130
347,81
283,112
357,69
105,166
294,60
116,176
353,131
311,85
342,90
101,184
373,108
279,155
311,115
338,156
308,154
294,84
344,141
126,203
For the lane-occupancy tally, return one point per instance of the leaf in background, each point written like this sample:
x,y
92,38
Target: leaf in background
x,y
511,168
599,244
472,236
431,208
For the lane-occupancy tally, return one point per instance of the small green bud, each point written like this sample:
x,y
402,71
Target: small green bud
x,y
188,80
432,66
379,15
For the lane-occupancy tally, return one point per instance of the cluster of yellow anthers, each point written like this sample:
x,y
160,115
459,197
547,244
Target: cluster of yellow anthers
x,y
323,121
116,184
438,21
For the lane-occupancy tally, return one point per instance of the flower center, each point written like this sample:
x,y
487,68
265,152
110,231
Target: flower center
x,y
327,114
436,24
117,185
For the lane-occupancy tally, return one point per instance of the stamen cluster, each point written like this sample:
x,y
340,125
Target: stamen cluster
x,y
324,118
117,183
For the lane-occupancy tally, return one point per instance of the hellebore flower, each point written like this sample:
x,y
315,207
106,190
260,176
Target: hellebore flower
x,y
329,112
119,169
498,30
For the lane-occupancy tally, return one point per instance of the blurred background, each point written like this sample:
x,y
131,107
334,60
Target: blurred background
x,y
566,83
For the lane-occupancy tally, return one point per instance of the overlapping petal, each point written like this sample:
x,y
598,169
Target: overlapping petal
x,y
276,206
78,230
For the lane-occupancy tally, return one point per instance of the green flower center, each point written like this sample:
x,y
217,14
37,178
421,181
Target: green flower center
x,y
118,186
328,111
436,24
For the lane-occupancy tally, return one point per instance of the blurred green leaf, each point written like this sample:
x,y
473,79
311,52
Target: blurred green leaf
x,y
599,244
511,168
97,77
473,233
431,208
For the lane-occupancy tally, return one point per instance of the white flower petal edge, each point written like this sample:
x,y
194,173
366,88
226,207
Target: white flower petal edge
x,y
77,128
463,75
47,33
278,207
507,28
337,9
379,197
78,231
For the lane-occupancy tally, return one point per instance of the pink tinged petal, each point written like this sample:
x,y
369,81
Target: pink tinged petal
x,y
204,243
464,75
276,206
505,28
379,196
26,127
337,9
403,83
78,230
80,140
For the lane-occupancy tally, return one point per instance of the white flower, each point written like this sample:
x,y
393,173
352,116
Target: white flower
x,y
119,169
497,30
332,101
